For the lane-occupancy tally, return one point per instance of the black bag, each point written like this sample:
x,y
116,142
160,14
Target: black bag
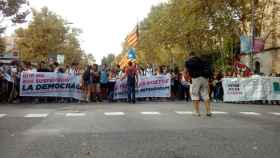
x,y
195,67
207,71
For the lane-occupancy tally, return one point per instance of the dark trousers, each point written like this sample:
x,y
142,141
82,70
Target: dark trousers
x,y
131,88
218,92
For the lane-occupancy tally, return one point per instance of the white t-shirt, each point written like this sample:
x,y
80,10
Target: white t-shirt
x,y
149,72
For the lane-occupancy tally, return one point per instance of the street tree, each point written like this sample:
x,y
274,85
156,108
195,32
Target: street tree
x,y
48,33
108,60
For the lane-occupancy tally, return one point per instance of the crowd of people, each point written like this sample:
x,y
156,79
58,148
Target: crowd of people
x,y
98,81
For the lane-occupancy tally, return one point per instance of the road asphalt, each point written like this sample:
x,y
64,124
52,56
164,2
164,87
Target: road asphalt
x,y
143,130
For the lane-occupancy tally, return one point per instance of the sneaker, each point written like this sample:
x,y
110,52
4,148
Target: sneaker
x,y
196,114
209,114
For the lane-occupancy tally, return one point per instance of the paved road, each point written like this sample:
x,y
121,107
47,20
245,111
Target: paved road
x,y
150,130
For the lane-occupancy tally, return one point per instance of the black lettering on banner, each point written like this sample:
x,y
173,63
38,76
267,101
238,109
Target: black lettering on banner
x,y
57,86
62,85
73,86
30,87
44,86
50,86
38,87
67,85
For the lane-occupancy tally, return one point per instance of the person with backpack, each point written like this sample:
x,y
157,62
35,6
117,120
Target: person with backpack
x,y
200,72
132,80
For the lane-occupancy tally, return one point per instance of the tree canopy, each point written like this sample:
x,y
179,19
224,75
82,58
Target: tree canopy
x,y
209,27
108,60
48,34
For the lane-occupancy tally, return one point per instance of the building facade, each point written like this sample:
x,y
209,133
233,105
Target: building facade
x,y
267,62
11,53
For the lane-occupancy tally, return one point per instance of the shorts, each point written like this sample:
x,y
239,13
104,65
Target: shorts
x,y
199,88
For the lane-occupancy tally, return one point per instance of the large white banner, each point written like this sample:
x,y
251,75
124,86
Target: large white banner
x,y
275,90
50,84
153,86
251,89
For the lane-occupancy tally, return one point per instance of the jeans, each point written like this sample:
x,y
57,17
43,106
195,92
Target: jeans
x,y
131,89
218,92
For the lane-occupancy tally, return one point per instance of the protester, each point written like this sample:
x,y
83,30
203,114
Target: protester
x,y
56,67
42,67
111,84
186,82
72,70
88,82
149,71
96,83
132,81
104,79
218,88
199,74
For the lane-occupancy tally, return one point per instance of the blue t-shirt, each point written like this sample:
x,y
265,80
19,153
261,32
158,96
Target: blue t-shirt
x,y
104,77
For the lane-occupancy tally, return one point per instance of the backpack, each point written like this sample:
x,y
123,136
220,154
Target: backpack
x,y
195,67
207,70
199,68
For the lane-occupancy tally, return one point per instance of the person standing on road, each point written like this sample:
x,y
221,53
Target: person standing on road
x,y
200,73
104,79
96,83
132,80
88,82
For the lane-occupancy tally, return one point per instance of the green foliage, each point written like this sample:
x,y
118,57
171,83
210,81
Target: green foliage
x,y
109,60
208,27
48,34
87,59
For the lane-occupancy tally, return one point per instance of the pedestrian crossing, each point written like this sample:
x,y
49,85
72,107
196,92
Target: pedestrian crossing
x,y
275,113
250,113
144,113
75,114
35,115
114,113
184,112
150,113
2,115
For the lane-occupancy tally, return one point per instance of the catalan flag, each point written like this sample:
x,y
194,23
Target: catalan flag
x,y
133,38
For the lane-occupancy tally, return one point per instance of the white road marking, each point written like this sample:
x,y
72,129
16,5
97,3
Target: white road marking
x,y
2,115
219,112
114,113
75,114
275,113
36,115
250,113
184,112
150,113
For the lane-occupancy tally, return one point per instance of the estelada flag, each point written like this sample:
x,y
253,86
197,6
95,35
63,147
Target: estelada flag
x,y
133,38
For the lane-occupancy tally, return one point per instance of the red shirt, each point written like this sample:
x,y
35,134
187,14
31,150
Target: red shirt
x,y
131,71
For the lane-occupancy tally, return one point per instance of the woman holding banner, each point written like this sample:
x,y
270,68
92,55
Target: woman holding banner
x,y
88,82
